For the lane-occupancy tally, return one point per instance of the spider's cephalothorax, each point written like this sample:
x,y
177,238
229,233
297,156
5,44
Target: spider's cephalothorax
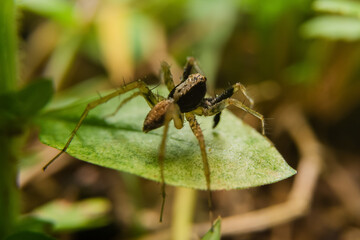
x,y
187,99
189,93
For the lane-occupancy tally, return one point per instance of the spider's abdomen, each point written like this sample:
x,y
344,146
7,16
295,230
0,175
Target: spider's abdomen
x,y
156,116
189,93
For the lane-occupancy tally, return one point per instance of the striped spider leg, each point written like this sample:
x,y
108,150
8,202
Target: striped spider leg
x,y
214,105
143,90
186,96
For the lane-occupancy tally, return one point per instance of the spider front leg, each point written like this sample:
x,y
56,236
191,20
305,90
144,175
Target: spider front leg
x,y
227,94
161,115
215,109
161,158
189,66
166,76
140,85
195,127
237,103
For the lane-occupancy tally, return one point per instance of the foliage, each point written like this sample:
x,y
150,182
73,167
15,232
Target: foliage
x,y
287,51
344,26
215,232
67,216
28,235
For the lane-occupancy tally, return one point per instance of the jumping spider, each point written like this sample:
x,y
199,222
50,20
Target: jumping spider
x,y
185,99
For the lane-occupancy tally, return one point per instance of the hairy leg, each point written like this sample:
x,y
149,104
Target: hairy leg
x,y
237,103
189,66
214,109
172,113
166,76
195,127
123,102
140,85
211,102
231,91
135,94
161,158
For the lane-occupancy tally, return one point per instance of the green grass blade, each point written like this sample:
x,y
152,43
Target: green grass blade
x,y
215,232
57,10
343,7
332,28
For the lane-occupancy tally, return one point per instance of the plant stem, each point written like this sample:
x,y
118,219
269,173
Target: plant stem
x,y
8,82
8,188
8,42
183,211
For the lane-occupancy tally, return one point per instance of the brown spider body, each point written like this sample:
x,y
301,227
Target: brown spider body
x,y
185,97
189,93
156,117
185,100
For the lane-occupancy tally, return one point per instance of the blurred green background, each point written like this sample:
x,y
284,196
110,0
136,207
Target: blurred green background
x,y
298,59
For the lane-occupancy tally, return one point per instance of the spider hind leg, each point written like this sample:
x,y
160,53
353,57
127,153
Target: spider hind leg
x,y
195,127
172,113
150,98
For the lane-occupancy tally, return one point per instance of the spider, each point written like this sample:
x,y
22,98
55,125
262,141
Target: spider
x,y
185,100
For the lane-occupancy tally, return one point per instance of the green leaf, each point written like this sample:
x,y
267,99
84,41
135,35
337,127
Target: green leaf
x,y
333,28
35,96
33,224
28,235
67,216
28,101
59,10
215,232
239,156
344,7
9,122
18,107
